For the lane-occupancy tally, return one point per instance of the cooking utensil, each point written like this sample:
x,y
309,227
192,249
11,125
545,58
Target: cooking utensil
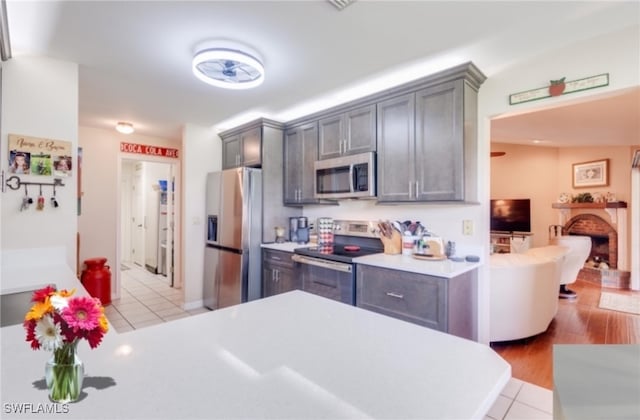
x,y
384,229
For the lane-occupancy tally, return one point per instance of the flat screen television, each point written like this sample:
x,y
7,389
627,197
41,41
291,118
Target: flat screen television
x,y
511,215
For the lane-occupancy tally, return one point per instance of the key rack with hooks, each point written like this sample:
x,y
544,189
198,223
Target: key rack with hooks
x,y
15,183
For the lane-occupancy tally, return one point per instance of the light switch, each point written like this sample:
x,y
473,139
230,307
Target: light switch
x,y
467,227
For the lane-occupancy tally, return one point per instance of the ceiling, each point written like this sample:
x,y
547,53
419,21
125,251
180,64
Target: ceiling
x,y
135,56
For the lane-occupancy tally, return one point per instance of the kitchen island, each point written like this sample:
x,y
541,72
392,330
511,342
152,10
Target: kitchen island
x,y
293,355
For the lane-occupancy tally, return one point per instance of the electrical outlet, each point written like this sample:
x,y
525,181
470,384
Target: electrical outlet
x,y
467,227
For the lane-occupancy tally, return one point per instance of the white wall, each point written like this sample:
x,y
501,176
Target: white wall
x,y
201,152
40,99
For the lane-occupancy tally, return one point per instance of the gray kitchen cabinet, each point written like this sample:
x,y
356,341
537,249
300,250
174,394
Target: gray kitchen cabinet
x,y
396,148
243,149
443,304
300,153
264,137
278,273
427,141
440,142
231,152
347,133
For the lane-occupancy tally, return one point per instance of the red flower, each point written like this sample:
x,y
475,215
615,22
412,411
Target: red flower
x,y
42,294
94,337
30,326
82,313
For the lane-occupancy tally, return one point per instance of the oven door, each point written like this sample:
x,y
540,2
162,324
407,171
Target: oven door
x,y
333,280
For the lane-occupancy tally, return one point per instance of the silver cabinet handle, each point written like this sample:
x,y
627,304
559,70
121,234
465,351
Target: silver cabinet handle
x,y
410,189
395,295
417,190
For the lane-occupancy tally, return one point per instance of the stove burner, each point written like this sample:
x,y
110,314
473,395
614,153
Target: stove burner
x,y
351,248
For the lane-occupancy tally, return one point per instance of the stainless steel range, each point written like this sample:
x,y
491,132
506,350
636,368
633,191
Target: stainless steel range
x,y
329,270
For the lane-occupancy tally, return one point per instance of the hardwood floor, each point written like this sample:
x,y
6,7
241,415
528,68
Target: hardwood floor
x,y
578,321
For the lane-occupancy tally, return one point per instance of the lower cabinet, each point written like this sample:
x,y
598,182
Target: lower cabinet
x,y
278,273
443,304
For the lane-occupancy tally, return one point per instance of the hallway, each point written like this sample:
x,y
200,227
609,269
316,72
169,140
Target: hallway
x,y
146,299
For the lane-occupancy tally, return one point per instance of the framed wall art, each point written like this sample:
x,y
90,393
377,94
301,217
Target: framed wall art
x,y
591,174
39,156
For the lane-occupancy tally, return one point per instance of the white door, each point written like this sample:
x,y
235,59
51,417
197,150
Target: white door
x,y
137,211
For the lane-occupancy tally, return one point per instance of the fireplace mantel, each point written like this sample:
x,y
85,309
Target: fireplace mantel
x,y
609,205
617,211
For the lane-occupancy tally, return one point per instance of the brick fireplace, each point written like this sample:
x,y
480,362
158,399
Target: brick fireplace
x,y
605,224
604,237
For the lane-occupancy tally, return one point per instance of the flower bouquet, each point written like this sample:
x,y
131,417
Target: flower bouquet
x,y
57,321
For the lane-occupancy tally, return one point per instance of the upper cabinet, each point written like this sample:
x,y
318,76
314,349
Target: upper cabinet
x,y
348,133
396,143
427,141
242,149
300,152
424,134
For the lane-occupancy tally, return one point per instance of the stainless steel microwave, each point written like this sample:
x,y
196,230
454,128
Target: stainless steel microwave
x,y
346,177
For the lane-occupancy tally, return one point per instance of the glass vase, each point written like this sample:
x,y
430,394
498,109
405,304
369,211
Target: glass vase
x,y
64,373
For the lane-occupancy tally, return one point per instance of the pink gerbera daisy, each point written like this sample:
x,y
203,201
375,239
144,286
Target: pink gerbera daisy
x,y
82,313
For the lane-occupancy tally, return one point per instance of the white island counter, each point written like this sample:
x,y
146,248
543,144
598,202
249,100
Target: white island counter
x,y
294,355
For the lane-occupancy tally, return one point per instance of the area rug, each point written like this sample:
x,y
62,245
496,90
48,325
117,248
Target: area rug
x,y
621,303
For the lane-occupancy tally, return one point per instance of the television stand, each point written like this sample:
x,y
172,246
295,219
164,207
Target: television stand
x,y
510,242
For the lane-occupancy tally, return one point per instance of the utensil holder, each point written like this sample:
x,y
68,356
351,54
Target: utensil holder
x,y
392,245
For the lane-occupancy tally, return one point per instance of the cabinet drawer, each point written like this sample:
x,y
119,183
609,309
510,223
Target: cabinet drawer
x,y
277,257
412,297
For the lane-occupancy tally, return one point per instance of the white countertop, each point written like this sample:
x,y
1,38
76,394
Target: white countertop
x,y
285,246
294,355
444,268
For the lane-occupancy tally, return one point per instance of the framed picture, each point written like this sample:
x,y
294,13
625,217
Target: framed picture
x,y
591,174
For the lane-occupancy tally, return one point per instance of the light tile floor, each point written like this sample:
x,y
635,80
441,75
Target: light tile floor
x,y
522,400
147,299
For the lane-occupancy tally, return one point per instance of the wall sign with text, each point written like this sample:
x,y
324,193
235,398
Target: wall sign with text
x,y
39,156
559,87
145,149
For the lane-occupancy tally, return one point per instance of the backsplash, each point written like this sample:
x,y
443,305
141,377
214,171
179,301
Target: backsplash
x,y
444,220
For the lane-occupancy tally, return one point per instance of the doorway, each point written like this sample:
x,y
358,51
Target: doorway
x,y
148,218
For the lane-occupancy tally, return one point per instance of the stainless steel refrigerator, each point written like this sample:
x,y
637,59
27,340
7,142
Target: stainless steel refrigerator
x,y
232,266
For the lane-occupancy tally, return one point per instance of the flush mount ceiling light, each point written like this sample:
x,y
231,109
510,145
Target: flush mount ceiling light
x,y
228,67
124,127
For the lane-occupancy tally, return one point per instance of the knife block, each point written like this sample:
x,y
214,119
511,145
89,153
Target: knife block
x,y
392,245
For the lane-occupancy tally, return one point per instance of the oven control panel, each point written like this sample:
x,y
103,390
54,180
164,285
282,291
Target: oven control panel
x,y
363,228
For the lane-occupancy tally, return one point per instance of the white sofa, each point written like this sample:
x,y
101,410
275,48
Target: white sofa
x,y
524,291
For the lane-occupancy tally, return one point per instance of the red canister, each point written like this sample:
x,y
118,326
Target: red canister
x,y
96,278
